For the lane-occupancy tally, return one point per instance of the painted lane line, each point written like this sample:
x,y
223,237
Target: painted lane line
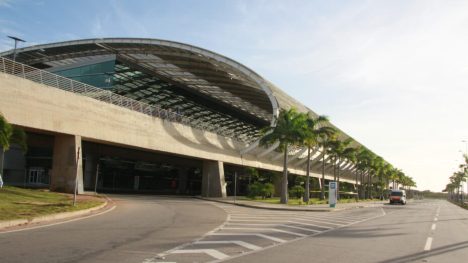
x,y
309,224
301,228
279,240
433,226
212,252
427,247
265,229
338,221
59,223
237,242
383,213
435,219
274,225
319,221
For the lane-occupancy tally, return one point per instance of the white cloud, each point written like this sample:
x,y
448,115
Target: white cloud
x,y
391,74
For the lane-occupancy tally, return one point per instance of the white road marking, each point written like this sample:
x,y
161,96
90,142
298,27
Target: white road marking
x,y
319,221
250,234
59,223
435,219
237,242
283,225
265,229
301,228
433,227
427,247
212,252
309,224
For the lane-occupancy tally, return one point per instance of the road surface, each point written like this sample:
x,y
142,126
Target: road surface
x,y
148,229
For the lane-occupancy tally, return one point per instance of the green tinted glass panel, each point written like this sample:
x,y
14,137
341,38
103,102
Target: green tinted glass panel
x,y
97,75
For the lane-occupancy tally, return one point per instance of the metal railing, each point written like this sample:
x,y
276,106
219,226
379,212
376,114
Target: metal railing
x,y
53,80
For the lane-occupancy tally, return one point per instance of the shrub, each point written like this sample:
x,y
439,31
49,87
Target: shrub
x,y
262,190
296,191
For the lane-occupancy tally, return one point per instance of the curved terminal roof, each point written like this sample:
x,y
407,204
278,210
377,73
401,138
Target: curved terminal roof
x,y
211,76
201,71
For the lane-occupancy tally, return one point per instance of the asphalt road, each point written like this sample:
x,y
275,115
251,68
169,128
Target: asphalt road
x,y
139,227
146,229
422,231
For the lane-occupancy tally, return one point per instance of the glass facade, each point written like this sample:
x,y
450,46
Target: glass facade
x,y
97,75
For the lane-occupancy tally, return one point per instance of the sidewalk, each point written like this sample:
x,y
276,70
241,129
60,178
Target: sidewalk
x,y
307,208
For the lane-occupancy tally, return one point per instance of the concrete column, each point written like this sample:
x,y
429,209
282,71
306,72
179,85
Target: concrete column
x,y
65,167
213,183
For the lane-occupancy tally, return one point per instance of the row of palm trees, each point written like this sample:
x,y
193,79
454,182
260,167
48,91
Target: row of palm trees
x,y
454,188
295,129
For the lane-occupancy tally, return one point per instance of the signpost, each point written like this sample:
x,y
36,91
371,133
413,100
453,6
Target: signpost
x,y
332,186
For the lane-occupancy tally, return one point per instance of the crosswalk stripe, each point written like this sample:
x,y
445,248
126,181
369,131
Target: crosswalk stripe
x,y
250,234
212,252
301,228
237,242
309,224
265,229
283,225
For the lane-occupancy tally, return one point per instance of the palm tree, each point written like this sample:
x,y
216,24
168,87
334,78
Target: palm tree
x,y
364,160
325,143
314,132
289,130
9,135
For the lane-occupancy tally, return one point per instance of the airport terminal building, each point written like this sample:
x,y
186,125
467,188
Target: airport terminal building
x,y
141,115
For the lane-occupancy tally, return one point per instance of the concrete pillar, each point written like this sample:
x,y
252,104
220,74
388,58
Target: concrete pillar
x,y
65,167
213,183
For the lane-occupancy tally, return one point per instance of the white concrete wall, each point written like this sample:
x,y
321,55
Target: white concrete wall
x,y
36,106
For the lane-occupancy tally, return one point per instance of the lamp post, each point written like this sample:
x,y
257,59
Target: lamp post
x,y
16,45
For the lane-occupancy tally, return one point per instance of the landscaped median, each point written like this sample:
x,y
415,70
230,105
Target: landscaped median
x,y
312,201
20,206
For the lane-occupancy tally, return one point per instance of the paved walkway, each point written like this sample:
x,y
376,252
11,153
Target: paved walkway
x,y
312,208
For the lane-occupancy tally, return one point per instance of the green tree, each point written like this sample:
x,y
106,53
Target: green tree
x,y
326,144
315,131
289,130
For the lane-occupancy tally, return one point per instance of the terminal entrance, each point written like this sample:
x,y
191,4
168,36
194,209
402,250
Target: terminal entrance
x,y
115,169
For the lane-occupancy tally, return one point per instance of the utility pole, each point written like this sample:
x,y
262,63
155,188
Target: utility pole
x,y
16,45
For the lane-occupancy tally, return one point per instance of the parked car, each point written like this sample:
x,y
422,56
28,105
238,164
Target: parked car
x,y
398,196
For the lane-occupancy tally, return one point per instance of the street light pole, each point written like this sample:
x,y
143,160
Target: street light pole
x,y
16,39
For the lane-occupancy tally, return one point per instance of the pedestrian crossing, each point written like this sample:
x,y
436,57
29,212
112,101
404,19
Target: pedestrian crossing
x,y
247,230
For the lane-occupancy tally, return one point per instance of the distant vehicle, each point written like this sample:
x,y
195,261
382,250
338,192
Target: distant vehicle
x,y
398,196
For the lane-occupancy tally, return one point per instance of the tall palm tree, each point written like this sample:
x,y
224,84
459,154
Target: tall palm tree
x,y
364,160
289,130
316,130
325,144
340,151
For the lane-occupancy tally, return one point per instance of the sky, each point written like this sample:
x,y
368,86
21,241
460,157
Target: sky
x,y
391,74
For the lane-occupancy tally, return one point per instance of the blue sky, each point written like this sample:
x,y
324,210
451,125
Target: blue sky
x,y
392,74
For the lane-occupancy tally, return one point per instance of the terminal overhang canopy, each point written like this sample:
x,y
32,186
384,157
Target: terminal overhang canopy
x,y
202,73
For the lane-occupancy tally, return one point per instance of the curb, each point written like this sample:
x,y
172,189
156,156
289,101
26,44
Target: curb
x,y
278,208
58,216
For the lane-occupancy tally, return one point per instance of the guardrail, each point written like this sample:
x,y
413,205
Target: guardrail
x,y
53,80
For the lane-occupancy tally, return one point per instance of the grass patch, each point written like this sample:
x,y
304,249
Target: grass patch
x,y
20,203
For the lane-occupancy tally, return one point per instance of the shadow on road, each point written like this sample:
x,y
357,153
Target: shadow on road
x,y
427,254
